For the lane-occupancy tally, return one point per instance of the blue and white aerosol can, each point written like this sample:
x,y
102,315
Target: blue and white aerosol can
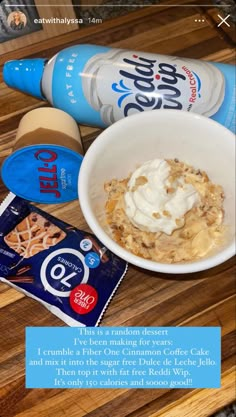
x,y
99,85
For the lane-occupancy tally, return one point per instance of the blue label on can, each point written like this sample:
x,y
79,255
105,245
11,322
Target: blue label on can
x,y
226,113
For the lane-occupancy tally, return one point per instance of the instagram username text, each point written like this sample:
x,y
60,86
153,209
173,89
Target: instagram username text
x,y
65,20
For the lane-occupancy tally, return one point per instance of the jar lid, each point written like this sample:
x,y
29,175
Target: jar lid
x,y
43,173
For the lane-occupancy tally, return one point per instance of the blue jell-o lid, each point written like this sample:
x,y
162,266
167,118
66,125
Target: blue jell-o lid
x,y
43,173
46,158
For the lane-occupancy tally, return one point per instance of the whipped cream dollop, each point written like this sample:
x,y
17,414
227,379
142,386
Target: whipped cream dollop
x,y
153,203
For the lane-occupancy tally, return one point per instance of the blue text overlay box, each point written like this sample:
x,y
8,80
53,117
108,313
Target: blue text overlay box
x,y
123,357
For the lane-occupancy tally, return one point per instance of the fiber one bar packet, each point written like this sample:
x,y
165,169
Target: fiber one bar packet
x,y
68,270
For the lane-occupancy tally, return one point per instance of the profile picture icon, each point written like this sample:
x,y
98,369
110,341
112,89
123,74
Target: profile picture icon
x,y
17,20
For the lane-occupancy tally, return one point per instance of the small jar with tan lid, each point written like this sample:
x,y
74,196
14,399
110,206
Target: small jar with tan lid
x,y
46,158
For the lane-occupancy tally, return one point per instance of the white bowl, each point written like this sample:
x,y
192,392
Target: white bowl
x,y
118,150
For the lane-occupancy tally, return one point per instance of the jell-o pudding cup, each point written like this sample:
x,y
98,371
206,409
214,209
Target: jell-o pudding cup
x,y
46,157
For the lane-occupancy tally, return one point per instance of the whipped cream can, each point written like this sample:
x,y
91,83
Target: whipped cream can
x,y
98,85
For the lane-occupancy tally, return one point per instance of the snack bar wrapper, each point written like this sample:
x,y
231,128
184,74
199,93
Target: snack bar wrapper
x,y
68,270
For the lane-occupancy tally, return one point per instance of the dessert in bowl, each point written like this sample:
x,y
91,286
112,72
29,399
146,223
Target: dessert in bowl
x,y
157,188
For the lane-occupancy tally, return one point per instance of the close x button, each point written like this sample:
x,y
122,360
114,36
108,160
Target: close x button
x,y
223,20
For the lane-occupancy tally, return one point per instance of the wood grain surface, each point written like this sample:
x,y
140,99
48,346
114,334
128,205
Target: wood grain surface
x,y
143,298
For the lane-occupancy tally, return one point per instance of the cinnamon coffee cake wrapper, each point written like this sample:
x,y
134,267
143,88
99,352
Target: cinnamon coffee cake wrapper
x,y
66,269
46,157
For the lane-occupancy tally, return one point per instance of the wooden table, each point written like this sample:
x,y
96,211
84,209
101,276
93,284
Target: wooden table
x,y
143,298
